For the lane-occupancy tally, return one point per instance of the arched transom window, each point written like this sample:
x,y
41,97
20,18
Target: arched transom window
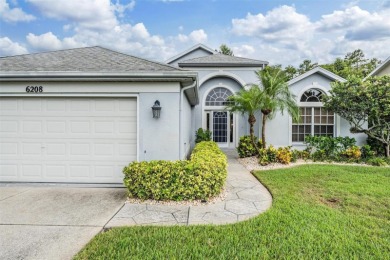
x,y
314,119
218,97
312,95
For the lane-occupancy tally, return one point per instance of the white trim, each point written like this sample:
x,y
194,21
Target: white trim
x,y
205,109
197,46
221,73
378,68
311,104
319,70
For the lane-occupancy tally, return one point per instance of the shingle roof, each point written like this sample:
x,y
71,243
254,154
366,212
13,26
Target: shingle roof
x,y
87,59
221,60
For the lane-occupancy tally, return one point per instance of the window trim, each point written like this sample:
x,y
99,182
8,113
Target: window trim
x,y
336,124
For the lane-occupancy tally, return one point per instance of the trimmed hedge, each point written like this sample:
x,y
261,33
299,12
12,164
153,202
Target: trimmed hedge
x,y
201,177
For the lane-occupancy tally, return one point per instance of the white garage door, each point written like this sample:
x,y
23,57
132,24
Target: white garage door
x,y
79,140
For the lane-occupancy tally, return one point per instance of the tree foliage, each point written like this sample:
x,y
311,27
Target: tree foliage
x,y
353,64
224,49
247,102
360,101
275,96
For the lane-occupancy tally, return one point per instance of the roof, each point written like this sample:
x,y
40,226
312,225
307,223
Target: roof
x,y
319,70
87,59
195,47
379,67
221,60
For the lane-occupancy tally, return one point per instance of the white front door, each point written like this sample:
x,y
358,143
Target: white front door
x,y
221,124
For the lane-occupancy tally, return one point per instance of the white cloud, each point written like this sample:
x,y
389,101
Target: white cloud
x,y
244,50
8,47
92,14
280,23
49,42
13,15
284,36
198,36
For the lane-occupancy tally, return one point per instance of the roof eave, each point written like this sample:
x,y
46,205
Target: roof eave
x,y
320,70
223,64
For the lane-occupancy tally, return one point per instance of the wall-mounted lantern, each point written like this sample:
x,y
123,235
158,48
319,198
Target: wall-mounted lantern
x,y
156,108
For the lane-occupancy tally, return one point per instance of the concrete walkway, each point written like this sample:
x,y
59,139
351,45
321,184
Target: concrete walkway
x,y
246,198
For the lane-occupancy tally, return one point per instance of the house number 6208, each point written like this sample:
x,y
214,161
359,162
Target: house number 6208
x,y
34,89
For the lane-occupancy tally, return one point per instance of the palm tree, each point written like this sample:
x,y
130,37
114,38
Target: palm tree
x,y
246,102
275,96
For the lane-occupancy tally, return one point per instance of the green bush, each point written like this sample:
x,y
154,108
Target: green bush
x,y
245,147
268,155
297,154
376,146
330,147
367,152
201,177
377,161
202,135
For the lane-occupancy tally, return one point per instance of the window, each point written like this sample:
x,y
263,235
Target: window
x,y
218,97
314,119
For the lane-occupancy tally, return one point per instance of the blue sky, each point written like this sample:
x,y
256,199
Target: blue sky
x,y
281,32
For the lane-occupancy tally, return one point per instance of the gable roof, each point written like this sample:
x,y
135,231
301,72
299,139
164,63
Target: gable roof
x,y
87,59
319,70
221,60
193,48
379,67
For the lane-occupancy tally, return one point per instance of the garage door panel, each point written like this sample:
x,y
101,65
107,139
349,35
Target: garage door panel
x,y
67,139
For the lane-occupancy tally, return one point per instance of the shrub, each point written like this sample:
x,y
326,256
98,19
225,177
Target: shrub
x,y
201,177
330,146
268,155
376,146
202,135
377,161
353,153
319,155
245,147
366,152
297,154
284,155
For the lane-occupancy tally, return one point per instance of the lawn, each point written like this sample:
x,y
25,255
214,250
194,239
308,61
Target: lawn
x,y
319,211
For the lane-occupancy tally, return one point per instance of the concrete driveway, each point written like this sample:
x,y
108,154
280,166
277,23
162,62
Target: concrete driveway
x,y
41,222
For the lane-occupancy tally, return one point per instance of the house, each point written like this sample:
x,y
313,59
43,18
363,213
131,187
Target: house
x,y
81,115
382,69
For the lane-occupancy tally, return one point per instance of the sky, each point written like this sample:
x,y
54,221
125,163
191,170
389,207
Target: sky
x,y
280,32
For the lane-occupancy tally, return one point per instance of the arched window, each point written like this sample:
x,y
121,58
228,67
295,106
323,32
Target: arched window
x,y
218,97
312,95
314,119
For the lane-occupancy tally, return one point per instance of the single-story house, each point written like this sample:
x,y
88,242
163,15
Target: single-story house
x,y
81,115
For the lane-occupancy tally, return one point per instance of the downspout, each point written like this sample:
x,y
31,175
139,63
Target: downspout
x,y
181,114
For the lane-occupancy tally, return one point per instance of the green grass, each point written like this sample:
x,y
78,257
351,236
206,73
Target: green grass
x,y
319,211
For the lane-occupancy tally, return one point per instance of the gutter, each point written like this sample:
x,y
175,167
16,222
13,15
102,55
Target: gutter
x,y
193,85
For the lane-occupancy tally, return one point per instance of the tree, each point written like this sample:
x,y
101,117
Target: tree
x,y
247,102
224,49
274,96
291,72
305,66
360,102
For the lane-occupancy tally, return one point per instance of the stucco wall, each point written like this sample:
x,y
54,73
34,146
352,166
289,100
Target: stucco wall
x,y
157,138
187,130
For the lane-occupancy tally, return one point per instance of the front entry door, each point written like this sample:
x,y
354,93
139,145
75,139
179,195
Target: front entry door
x,y
221,124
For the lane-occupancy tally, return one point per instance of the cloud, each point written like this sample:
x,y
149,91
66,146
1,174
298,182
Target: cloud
x,y
285,36
244,50
13,15
92,14
280,23
198,36
357,24
49,42
9,48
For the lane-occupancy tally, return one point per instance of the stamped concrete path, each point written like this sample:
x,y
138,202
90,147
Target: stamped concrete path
x,y
246,198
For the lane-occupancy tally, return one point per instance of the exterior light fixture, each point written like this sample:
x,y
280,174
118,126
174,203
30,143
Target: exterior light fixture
x,y
156,108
